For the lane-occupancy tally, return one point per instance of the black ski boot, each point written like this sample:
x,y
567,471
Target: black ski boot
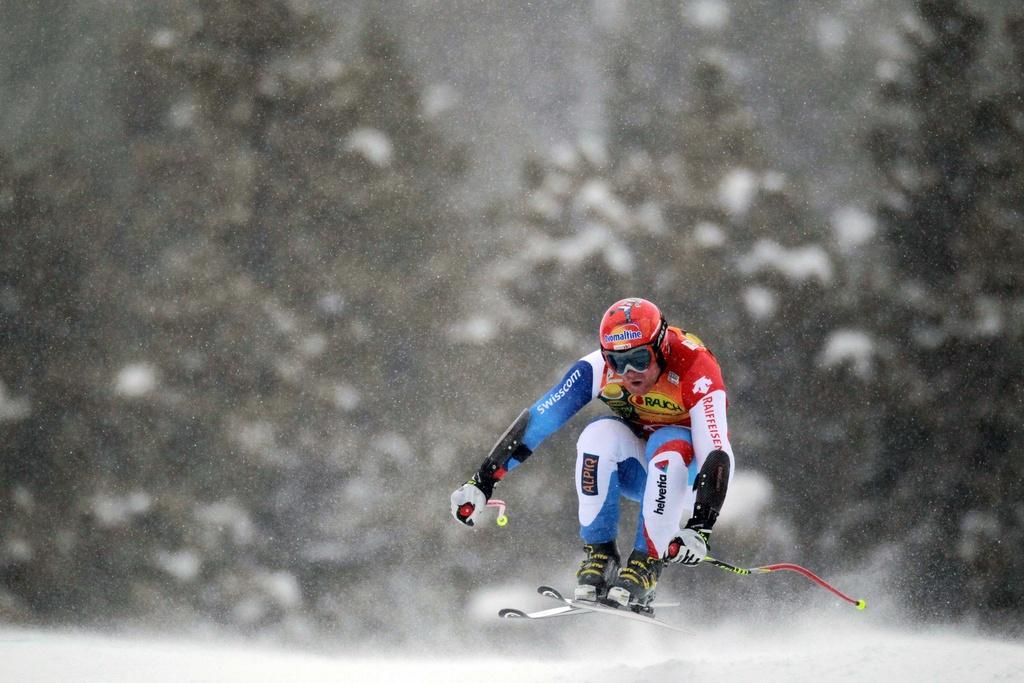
x,y
634,586
596,571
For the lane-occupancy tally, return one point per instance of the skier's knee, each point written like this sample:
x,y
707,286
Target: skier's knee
x,y
603,435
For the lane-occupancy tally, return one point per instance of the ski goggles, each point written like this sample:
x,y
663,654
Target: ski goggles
x,y
638,359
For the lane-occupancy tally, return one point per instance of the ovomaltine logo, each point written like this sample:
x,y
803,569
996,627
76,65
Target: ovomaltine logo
x,y
624,335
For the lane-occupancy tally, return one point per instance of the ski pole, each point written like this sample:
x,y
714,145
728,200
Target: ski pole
x,y
502,518
806,573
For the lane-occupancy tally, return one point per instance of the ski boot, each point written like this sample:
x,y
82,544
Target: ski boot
x,y
634,586
596,571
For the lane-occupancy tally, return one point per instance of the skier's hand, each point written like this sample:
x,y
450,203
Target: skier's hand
x,y
467,502
688,548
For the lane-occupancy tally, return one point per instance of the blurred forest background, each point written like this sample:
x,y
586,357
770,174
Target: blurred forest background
x,y
275,274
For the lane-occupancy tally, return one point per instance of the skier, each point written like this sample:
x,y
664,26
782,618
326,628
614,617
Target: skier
x,y
666,446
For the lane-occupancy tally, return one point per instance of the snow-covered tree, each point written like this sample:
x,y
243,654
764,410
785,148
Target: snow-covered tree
x,y
57,229
256,343
948,142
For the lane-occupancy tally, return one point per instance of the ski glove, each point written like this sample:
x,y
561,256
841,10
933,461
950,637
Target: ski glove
x,y
688,548
467,502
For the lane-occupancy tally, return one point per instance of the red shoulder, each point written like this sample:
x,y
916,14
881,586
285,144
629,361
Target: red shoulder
x,y
696,367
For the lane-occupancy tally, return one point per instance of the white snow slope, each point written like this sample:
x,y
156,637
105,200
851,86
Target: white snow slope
x,y
805,652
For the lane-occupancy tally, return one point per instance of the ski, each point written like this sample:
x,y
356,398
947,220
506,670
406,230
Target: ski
x,y
602,608
549,592
564,610
570,606
624,613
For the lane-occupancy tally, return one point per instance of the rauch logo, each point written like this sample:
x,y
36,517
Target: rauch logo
x,y
656,403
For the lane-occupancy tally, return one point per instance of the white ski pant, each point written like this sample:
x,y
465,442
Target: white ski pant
x,y
659,472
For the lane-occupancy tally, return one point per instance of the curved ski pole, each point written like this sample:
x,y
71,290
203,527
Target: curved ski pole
x,y
806,573
502,518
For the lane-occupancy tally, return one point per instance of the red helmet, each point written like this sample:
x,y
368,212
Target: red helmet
x,y
630,323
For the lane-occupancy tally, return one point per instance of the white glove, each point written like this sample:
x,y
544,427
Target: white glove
x,y
689,547
467,502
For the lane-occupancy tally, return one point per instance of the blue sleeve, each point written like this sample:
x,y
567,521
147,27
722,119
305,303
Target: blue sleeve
x,y
558,405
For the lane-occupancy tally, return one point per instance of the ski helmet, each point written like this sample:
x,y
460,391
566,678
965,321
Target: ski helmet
x,y
630,324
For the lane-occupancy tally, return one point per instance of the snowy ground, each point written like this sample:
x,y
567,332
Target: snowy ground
x,y
806,652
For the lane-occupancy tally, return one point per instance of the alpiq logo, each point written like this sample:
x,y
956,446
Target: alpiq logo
x,y
588,475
